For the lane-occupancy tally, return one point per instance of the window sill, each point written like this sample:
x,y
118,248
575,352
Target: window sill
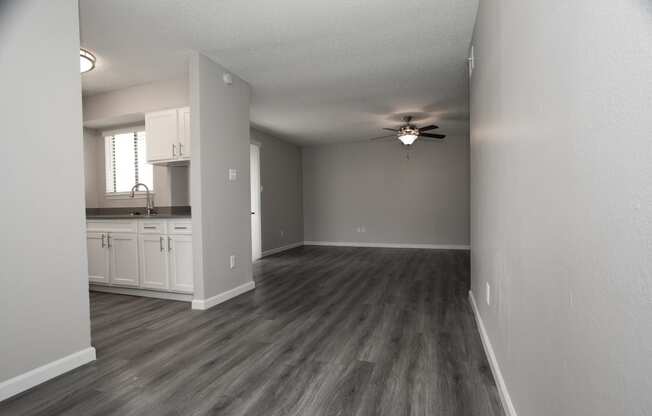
x,y
127,195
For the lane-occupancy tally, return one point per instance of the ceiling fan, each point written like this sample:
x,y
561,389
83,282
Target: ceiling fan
x,y
409,133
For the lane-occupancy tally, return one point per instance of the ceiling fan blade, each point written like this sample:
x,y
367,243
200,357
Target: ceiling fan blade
x,y
393,136
384,128
434,136
430,127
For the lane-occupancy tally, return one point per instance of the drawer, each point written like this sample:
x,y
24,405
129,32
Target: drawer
x,y
151,227
116,226
180,227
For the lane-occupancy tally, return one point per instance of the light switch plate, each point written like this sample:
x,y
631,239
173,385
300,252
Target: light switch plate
x,y
233,174
232,261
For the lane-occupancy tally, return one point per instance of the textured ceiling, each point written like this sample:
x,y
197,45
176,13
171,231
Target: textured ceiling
x,y
321,71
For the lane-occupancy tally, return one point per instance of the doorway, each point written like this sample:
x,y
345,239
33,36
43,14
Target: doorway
x,y
256,238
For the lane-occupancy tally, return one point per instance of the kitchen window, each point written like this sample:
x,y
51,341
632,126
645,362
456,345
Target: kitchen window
x,y
125,162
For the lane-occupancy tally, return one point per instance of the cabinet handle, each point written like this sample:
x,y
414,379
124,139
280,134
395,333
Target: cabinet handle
x,y
180,151
180,228
161,242
149,227
108,240
174,149
103,237
169,244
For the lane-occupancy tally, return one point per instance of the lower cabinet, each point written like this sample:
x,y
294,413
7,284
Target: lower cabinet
x,y
112,258
123,259
166,262
153,262
98,258
180,262
148,257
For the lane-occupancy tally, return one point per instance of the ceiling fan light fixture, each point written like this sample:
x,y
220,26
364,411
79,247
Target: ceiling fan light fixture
x,y
408,135
86,60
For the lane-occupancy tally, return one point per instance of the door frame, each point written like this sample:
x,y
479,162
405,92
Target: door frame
x,y
256,220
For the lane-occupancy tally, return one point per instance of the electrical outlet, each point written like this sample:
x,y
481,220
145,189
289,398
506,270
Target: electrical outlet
x,y
362,229
282,233
232,261
488,292
233,174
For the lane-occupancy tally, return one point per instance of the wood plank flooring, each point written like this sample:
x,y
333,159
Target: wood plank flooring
x,y
328,331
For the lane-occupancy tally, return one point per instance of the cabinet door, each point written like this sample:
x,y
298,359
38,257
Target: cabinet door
x,y
180,255
98,258
162,135
123,249
153,262
184,133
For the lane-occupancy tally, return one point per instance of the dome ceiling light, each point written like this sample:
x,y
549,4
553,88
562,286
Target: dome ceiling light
x,y
86,60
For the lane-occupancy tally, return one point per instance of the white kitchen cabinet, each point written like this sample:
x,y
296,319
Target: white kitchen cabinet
x,y
153,262
123,255
180,262
152,254
161,135
184,132
167,134
98,258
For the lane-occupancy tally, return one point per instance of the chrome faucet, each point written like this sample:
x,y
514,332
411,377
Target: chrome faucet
x,y
149,209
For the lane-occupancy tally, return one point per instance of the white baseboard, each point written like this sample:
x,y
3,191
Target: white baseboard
x,y
45,372
389,245
505,398
282,248
141,292
203,304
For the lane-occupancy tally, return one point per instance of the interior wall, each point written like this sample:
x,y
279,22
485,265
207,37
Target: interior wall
x,y
221,208
282,195
44,298
139,99
561,155
369,192
171,183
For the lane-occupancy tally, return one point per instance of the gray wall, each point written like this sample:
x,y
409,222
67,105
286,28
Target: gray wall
x,y
44,306
561,162
282,196
171,183
423,200
116,106
221,208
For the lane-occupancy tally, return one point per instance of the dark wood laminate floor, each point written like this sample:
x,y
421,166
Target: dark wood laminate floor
x,y
328,331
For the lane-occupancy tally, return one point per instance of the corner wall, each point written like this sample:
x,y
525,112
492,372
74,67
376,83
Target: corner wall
x,y
561,218
44,306
220,208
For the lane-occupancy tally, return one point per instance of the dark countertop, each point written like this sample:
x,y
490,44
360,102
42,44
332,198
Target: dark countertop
x,y
136,213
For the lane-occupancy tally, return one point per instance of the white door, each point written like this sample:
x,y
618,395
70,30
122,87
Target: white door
x,y
123,249
162,135
153,262
184,132
98,258
256,243
180,257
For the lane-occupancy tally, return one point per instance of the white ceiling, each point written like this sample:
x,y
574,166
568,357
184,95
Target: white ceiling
x,y
321,71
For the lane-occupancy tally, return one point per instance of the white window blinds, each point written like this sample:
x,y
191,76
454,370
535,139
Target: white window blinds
x,y
125,162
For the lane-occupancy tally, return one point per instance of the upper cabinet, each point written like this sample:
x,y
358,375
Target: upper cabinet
x,y
168,135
